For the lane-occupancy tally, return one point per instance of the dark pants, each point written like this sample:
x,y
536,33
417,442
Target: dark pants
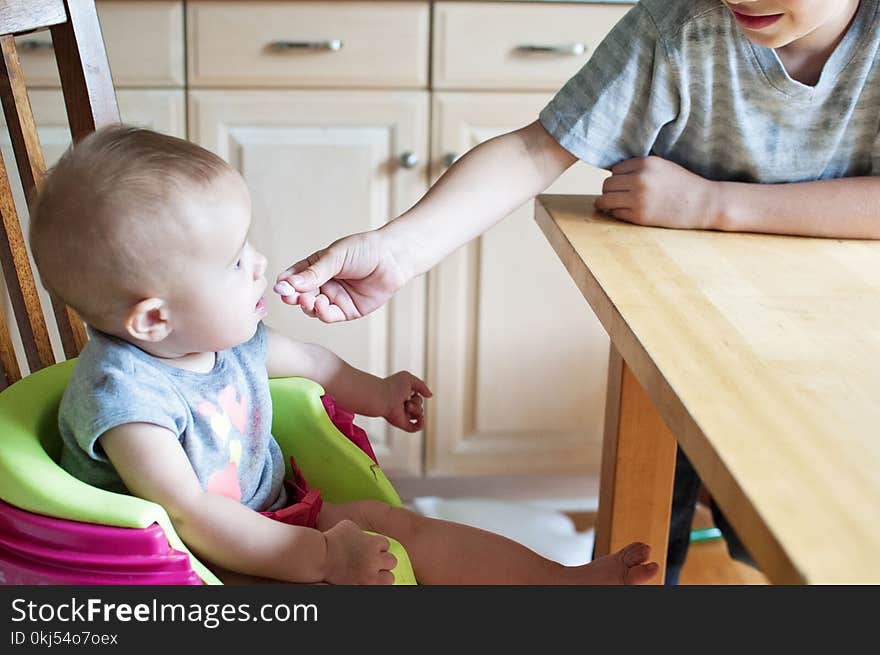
x,y
686,489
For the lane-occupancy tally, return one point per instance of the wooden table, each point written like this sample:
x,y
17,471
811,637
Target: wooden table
x,y
762,356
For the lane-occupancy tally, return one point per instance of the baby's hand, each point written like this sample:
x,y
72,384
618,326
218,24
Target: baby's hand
x,y
405,393
355,557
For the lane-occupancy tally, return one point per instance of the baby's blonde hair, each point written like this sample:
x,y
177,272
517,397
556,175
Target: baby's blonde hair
x,y
109,213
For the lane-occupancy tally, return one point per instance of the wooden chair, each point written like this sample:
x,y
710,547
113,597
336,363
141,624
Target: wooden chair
x,y
55,529
91,102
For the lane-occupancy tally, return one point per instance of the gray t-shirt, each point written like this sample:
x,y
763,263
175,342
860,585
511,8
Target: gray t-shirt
x,y
222,418
677,79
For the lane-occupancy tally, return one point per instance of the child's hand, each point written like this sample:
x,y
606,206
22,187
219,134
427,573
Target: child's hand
x,y
654,191
350,278
355,557
405,393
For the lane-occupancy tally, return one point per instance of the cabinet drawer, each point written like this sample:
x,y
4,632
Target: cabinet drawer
x,y
516,46
144,43
315,44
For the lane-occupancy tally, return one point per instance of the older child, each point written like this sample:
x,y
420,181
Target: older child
x,y
740,115
146,236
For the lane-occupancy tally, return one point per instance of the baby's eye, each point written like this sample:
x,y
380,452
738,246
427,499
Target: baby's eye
x,y
237,265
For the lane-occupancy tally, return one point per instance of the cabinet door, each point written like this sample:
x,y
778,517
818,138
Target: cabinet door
x,y
320,165
160,110
516,358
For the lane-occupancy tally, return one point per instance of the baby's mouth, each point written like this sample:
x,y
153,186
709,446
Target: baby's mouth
x,y
756,22
260,307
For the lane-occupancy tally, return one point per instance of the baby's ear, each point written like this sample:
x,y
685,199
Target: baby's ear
x,y
148,320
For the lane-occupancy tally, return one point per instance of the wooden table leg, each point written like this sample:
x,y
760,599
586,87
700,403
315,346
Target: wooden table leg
x,y
638,465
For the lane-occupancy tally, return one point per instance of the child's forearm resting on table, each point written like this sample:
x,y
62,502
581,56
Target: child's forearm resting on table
x,y
480,189
846,208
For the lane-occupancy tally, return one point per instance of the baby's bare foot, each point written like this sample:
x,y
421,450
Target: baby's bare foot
x,y
629,565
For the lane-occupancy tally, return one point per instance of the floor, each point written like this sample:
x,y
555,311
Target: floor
x,y
708,562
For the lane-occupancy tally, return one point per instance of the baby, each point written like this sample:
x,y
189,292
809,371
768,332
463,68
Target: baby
x,y
146,237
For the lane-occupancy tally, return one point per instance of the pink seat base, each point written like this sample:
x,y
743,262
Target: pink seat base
x,y
37,549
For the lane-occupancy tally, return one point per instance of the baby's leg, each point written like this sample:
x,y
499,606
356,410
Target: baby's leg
x,y
443,552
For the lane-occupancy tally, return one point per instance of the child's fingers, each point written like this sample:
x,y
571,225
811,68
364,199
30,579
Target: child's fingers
x,y
416,424
614,200
421,387
339,296
633,165
322,302
618,183
409,423
289,272
308,312
290,300
312,272
387,561
285,289
627,215
380,542
290,296
307,302
326,311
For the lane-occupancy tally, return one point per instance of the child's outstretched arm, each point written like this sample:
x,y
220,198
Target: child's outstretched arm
x,y
654,191
359,273
481,188
397,398
153,466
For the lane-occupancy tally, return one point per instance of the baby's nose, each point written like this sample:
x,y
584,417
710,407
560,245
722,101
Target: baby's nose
x,y
260,268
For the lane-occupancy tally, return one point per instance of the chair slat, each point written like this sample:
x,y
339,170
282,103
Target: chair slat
x,y
90,100
10,372
71,328
32,168
88,89
18,17
20,121
20,282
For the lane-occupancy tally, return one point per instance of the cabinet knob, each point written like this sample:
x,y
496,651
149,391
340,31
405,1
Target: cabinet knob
x,y
409,159
450,158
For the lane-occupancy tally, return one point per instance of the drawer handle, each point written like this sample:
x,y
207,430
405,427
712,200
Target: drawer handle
x,y
333,45
35,45
570,49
